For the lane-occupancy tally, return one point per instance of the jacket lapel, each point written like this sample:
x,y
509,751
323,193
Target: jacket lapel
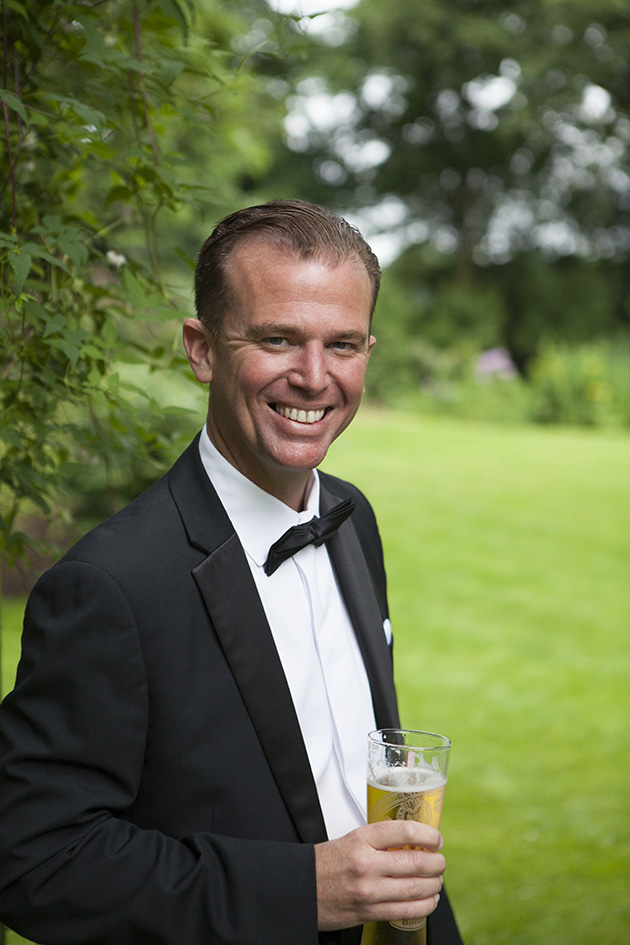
x,y
227,587
241,625
358,592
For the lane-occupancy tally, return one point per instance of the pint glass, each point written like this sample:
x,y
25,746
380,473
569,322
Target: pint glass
x,y
406,775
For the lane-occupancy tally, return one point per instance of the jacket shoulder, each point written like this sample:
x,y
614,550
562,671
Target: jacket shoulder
x,y
147,530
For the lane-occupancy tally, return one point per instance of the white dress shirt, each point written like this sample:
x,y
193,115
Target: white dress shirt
x,y
314,637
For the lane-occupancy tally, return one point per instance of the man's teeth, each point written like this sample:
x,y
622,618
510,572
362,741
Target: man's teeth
x,y
302,416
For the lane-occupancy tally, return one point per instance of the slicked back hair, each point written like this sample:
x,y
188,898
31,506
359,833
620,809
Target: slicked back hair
x,y
302,229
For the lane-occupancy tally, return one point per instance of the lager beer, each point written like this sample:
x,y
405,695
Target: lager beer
x,y
404,783
406,794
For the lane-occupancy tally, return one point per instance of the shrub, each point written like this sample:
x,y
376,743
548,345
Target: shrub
x,y
587,385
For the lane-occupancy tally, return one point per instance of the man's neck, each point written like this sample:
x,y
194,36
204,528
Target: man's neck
x,y
290,486
293,491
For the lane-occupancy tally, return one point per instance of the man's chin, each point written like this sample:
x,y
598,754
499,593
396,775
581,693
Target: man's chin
x,y
303,456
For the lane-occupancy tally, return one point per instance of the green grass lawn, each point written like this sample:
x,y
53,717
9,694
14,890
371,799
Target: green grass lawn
x,y
508,556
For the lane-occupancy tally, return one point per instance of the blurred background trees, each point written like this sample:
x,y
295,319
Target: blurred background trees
x,y
485,148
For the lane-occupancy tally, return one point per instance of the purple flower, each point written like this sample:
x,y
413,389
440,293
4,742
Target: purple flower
x,y
496,362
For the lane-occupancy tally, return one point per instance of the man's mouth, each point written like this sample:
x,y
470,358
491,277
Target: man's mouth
x,y
300,416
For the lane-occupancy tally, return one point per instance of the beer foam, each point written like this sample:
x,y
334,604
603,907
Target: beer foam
x,y
407,779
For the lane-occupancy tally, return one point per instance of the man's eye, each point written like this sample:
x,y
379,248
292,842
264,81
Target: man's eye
x,y
342,346
275,341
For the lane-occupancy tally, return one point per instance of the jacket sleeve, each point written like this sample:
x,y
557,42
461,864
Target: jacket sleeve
x,y
73,736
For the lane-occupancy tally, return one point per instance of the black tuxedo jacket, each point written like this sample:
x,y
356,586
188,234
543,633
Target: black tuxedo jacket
x,y
154,784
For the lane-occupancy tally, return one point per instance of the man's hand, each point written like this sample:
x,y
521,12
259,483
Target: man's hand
x,y
367,877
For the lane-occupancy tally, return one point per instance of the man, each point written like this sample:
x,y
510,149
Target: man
x,y
182,757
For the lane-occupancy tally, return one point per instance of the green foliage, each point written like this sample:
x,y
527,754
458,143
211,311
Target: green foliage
x,y
452,386
432,356
579,386
568,300
393,364
589,385
477,118
490,145
119,119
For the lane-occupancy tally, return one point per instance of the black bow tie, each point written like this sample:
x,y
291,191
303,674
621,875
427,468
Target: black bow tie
x,y
315,532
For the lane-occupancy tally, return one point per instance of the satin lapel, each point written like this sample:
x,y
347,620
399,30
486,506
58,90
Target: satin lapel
x,y
356,586
238,617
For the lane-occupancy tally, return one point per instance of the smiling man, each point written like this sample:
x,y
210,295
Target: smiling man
x,y
182,759
287,365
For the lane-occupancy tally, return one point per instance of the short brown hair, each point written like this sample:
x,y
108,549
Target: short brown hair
x,y
304,229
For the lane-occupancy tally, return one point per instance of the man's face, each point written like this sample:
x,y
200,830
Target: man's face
x,y
288,368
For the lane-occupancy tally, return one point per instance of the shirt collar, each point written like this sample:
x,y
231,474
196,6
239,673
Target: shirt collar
x,y
258,518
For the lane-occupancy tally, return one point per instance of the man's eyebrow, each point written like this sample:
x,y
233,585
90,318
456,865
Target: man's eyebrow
x,y
271,330
275,330
359,336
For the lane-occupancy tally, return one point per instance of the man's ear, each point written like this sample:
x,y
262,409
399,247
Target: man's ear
x,y
198,345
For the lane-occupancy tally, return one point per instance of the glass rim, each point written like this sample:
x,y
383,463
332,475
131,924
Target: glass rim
x,y
443,740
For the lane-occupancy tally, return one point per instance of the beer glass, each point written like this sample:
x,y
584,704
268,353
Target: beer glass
x,y
406,775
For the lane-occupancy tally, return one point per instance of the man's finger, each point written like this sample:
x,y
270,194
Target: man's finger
x,y
412,889
413,863
389,834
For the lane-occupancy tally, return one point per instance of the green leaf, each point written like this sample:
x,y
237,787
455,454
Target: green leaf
x,y
17,7
186,258
91,116
14,103
109,333
21,264
126,356
102,150
52,223
98,398
76,336
91,351
71,351
136,293
94,378
10,436
36,314
54,324
173,9
43,254
119,192
87,114
94,40
174,411
77,252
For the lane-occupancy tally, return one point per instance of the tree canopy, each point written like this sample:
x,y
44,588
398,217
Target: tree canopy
x,y
490,144
128,126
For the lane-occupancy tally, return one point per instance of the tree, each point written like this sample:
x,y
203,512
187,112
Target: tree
x,y
126,124
491,140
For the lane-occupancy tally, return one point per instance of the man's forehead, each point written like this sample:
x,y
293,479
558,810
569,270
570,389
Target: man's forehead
x,y
275,292
258,253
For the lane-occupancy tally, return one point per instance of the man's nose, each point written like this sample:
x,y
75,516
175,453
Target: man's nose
x,y
310,368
